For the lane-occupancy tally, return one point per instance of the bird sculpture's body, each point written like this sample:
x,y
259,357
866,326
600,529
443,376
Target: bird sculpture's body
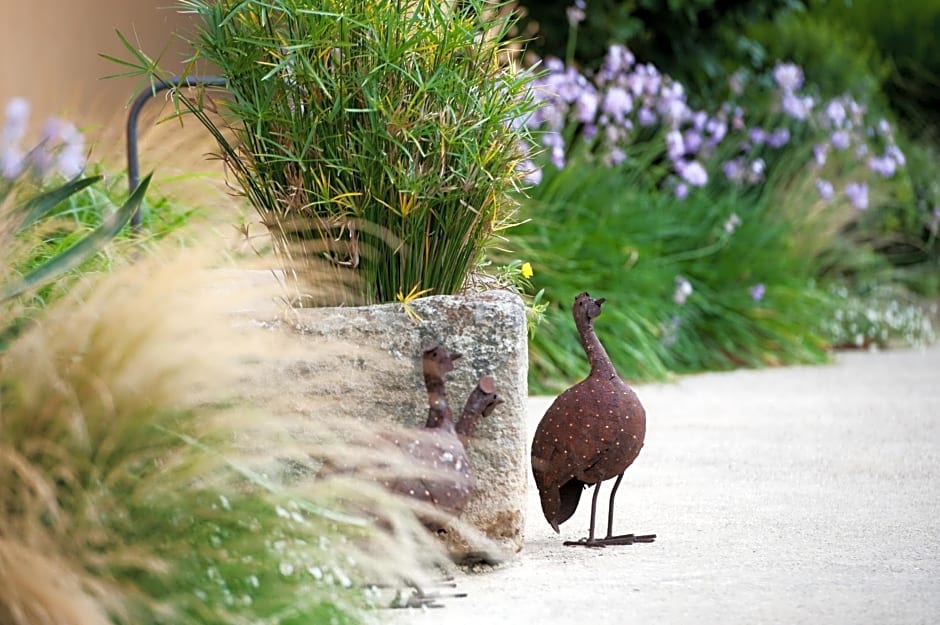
x,y
436,468
591,433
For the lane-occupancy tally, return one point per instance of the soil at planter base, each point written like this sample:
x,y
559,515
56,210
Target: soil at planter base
x,y
365,363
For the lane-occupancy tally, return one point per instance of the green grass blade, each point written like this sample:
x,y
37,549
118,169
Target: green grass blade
x,y
81,251
39,206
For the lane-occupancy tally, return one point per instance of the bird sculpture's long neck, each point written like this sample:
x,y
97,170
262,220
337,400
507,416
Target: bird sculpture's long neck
x,y
439,412
476,407
467,424
596,355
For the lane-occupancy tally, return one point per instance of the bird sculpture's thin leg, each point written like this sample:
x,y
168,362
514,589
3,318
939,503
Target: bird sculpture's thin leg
x,y
610,539
610,507
589,541
624,539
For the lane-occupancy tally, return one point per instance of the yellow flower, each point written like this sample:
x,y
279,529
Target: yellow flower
x,y
527,270
406,300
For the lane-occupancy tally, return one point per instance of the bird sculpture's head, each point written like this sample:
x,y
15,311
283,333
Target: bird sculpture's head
x,y
586,307
438,361
492,400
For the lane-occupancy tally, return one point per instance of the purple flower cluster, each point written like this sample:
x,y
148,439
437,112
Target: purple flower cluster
x,y
850,138
757,291
625,102
789,79
857,194
612,105
609,108
576,12
61,150
623,97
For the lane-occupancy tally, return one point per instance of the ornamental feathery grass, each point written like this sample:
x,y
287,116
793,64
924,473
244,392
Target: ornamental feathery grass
x,y
383,135
121,483
42,589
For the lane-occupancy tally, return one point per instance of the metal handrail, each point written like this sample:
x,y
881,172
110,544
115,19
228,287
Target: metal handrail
x,y
133,162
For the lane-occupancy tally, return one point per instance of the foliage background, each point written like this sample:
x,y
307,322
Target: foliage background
x,y
616,231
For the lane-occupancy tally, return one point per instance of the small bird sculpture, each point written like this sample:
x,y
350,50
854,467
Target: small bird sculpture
x,y
591,433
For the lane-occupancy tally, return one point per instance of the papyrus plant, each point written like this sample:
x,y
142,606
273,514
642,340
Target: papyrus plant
x,y
379,135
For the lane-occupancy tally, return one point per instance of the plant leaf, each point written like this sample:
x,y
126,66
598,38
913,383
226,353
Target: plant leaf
x,y
81,251
406,300
39,205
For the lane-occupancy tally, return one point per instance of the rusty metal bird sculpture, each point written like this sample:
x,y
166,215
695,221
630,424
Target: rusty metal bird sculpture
x,y
591,433
446,477
441,473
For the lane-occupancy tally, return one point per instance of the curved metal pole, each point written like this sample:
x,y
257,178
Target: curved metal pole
x,y
133,164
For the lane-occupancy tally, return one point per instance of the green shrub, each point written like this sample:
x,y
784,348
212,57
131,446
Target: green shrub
x,y
725,228
836,59
753,298
61,218
840,56
77,216
905,33
34,269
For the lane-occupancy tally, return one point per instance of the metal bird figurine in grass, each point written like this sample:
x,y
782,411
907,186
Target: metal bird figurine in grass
x,y
591,433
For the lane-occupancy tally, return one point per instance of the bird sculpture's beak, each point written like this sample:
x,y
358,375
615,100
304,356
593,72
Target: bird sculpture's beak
x,y
600,300
455,356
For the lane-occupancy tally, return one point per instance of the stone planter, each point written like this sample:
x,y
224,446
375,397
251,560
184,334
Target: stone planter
x,y
377,351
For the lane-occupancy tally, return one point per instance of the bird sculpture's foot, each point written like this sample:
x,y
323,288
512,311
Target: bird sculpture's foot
x,y
414,596
625,539
420,599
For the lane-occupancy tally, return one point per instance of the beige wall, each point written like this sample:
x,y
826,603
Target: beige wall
x,y
49,53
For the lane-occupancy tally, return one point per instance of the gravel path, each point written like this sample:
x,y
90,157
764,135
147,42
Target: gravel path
x,y
791,495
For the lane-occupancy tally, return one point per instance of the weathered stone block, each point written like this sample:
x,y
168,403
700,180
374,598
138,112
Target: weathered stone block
x,y
365,363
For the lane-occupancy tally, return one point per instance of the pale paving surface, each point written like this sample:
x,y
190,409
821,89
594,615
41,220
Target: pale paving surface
x,y
794,495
